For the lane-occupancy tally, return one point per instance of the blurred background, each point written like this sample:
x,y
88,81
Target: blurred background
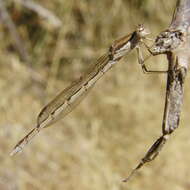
x,y
45,45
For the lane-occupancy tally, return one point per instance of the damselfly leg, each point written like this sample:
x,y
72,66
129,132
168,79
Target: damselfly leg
x,y
142,60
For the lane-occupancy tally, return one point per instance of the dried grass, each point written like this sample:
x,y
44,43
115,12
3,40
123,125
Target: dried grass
x,y
103,139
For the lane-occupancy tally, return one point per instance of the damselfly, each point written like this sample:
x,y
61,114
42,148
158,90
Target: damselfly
x,y
71,96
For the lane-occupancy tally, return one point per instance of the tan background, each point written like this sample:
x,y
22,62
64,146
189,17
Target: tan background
x,y
98,144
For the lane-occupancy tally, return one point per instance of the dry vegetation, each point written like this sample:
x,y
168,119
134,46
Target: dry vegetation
x,y
97,145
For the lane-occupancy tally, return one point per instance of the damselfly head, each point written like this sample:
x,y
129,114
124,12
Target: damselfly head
x,y
142,31
167,41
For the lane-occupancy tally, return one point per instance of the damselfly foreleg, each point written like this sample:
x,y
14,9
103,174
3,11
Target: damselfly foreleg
x,y
142,60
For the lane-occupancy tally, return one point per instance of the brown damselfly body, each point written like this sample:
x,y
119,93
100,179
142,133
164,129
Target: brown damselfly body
x,y
71,96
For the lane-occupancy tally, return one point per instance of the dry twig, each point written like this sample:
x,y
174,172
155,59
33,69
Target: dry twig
x,y
174,42
18,42
41,11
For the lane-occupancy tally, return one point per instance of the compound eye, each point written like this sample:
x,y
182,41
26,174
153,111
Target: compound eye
x,y
140,28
